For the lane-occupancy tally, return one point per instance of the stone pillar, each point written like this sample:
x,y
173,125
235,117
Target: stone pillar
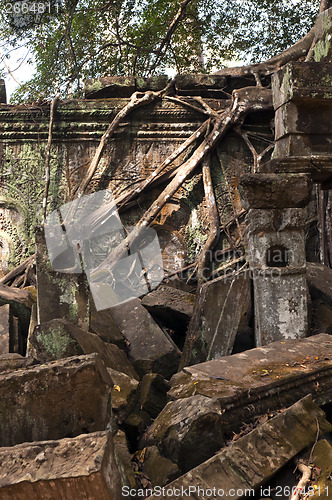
x,y
275,230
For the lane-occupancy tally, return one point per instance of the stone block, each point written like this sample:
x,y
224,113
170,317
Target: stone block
x,y
277,264
14,361
260,380
193,84
124,395
59,295
152,393
62,398
149,349
219,308
59,339
255,458
160,470
3,94
155,83
275,191
102,323
319,278
109,86
187,431
4,329
123,460
302,96
80,467
174,307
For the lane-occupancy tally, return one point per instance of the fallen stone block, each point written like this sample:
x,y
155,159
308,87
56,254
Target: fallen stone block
x,y
59,338
255,458
160,470
123,460
187,431
173,307
319,278
124,395
258,381
62,398
4,329
219,308
152,393
149,349
102,323
80,467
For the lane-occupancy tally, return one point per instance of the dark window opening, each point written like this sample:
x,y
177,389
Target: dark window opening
x,y
277,256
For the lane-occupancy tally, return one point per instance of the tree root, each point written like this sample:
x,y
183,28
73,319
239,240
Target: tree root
x,y
306,476
213,222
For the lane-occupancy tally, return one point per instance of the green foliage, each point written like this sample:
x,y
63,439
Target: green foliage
x,y
76,39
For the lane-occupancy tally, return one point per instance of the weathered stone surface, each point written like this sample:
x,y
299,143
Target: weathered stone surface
x,y
3,96
66,397
123,460
4,329
135,425
260,380
109,86
124,395
155,83
322,458
59,338
60,295
152,393
217,315
187,431
159,469
196,84
321,317
277,264
174,307
149,348
275,190
302,96
102,323
319,278
80,467
253,459
13,361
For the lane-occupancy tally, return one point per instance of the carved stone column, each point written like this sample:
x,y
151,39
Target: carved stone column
x,y
275,231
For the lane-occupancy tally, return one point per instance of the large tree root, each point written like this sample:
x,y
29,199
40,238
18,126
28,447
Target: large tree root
x,y
213,217
245,100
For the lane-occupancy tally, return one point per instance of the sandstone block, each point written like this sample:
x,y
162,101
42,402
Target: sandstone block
x,y
59,338
149,349
80,467
174,307
187,431
253,459
216,319
62,398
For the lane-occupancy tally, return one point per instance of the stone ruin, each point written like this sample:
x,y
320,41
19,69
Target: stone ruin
x,y
215,391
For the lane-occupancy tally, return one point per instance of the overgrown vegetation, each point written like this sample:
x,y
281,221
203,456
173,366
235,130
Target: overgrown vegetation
x,y
70,40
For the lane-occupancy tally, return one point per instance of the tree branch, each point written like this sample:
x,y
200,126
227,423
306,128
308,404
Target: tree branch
x,y
167,38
